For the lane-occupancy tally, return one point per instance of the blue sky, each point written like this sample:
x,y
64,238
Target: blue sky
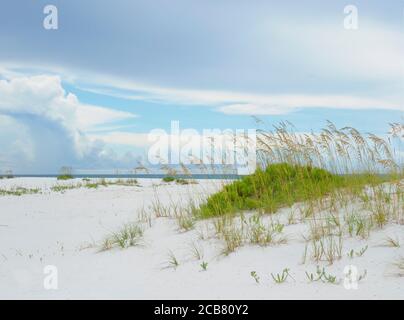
x,y
87,94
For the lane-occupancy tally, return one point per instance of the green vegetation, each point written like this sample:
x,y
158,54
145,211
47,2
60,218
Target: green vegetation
x,y
322,276
196,251
8,174
392,242
185,221
172,261
65,173
65,177
204,265
184,181
332,181
360,253
19,191
168,179
277,186
128,236
319,176
181,181
255,276
95,184
63,188
281,277
92,185
118,182
123,182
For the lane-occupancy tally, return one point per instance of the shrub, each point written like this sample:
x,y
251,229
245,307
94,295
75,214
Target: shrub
x,y
65,173
269,189
168,179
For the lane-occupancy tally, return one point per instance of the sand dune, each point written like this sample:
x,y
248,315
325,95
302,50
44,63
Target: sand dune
x,y
66,230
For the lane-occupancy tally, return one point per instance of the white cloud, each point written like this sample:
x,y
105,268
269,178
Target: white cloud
x,y
282,104
343,58
40,122
15,142
122,138
372,52
44,95
88,116
320,48
231,102
246,103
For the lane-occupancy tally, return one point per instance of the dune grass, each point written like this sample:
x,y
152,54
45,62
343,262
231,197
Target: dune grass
x,y
323,176
94,184
62,188
19,191
294,167
184,181
338,183
8,174
127,236
180,181
104,183
279,185
65,173
65,177
121,182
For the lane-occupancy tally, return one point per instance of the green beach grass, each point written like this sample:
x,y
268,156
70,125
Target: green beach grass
x,y
295,167
280,185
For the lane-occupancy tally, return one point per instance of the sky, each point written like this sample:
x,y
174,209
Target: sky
x,y
87,94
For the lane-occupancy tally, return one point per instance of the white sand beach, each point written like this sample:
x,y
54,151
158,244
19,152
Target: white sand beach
x,y
66,230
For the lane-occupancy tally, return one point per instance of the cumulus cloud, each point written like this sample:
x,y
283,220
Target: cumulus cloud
x,y
43,127
44,95
15,142
122,138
